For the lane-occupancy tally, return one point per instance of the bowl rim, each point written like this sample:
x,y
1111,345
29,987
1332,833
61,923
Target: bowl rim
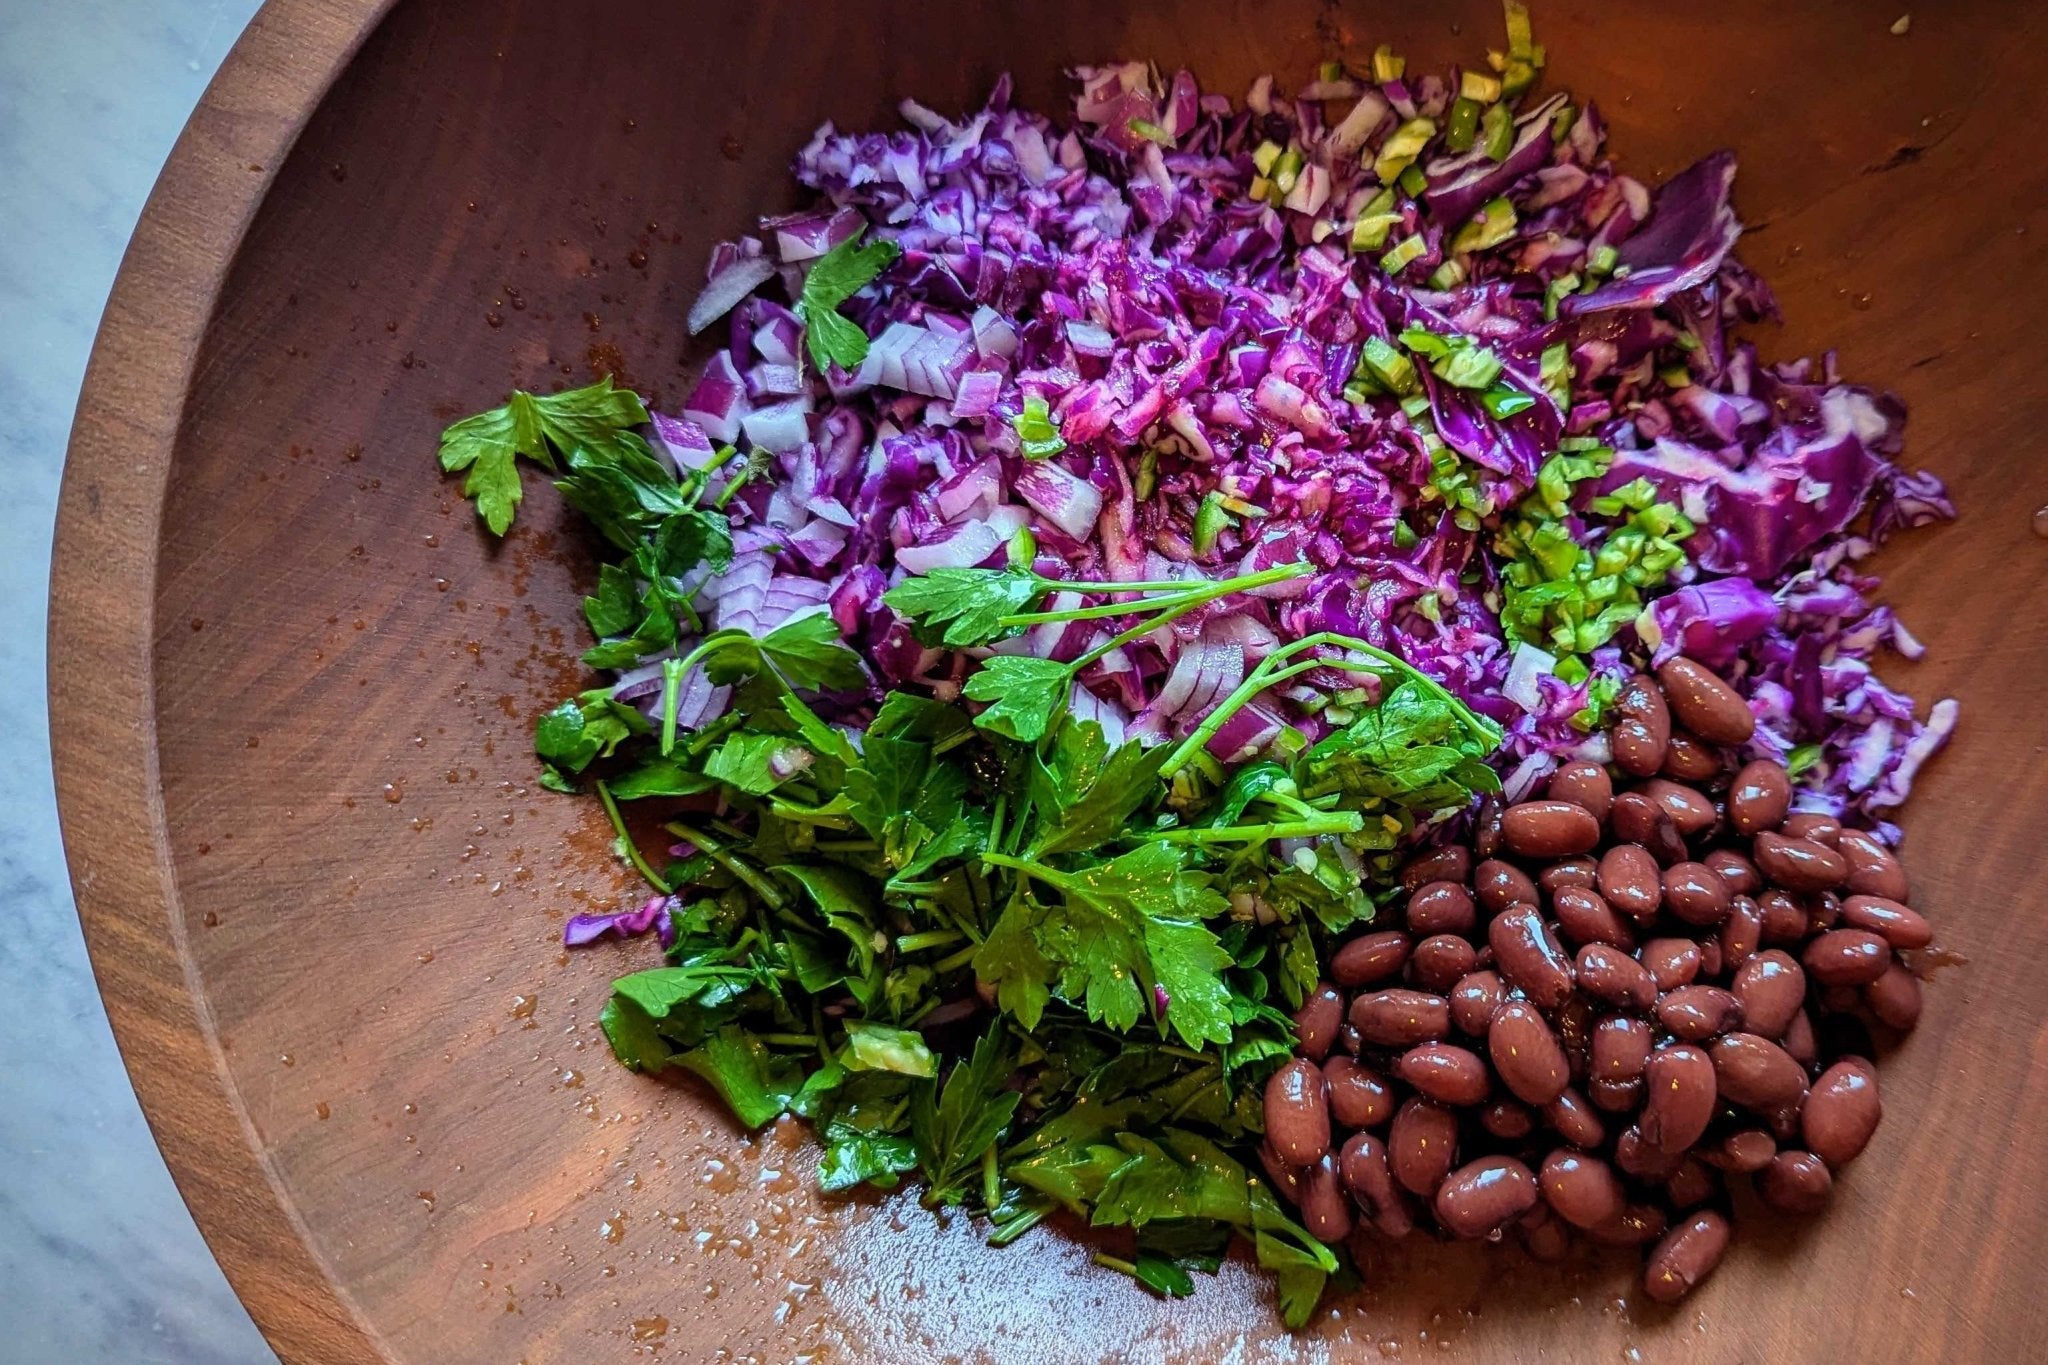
x,y
103,735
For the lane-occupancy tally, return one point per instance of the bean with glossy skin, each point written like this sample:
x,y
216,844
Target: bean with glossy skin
x,y
1744,1151
1784,916
1741,933
1549,829
1679,1096
1823,912
1447,863
1710,957
1636,1155
1441,908
1738,873
1630,881
1400,1018
1583,1190
1673,962
1799,1040
1286,1179
1696,894
1363,1165
1486,840
1696,1013
1796,1182
1440,961
1502,884
1359,1096
1813,827
1895,998
1526,1054
1325,1210
1756,1073
1897,925
1771,987
1621,1047
1583,784
1544,1235
1637,1225
1639,749
1507,1120
1688,759
1484,1196
1530,957
1445,1072
1474,999
1615,1097
1567,873
1847,957
1422,1146
1584,916
1704,704
1613,977
1685,1256
1691,812
1317,1021
1574,1120
1692,1184
1873,869
1636,819
1759,797
1370,958
1798,864
1298,1112
1841,1112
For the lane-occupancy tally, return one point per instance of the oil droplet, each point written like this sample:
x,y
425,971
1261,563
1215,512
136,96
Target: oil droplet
x,y
199,624
494,319
432,541
650,1329
2040,529
394,792
572,1078
523,1005
424,958
321,1111
211,919
613,1229
287,1060
637,259
426,1197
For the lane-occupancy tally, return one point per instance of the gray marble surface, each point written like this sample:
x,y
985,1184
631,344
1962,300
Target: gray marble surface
x,y
99,1261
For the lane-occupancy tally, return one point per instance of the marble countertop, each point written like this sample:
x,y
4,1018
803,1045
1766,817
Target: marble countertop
x,y
99,1261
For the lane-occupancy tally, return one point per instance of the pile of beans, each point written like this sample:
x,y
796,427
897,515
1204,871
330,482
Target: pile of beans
x,y
1608,1002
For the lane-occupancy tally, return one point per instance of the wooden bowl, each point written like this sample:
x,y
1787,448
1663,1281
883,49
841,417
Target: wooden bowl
x,y
293,685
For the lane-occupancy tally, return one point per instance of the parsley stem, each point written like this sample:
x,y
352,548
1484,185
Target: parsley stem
x,y
760,885
1028,868
1109,1262
788,1039
671,680
1184,597
956,959
931,938
1336,822
630,849
700,479
733,485
1186,604
991,1179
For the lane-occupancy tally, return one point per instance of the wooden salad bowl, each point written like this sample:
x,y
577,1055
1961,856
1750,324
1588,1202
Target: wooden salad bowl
x,y
294,686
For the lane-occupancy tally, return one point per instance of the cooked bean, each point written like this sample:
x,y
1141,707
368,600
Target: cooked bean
x,y
1840,999
1567,873
1347,1037
1691,812
1325,1211
1798,864
1692,1184
1873,869
1502,884
1797,1182
1673,962
1759,797
1823,912
1549,829
1317,1021
1440,961
1422,1146
1900,927
1784,916
1841,1111
1746,1150
1636,1225
1582,1189
1447,863
1574,1120
1621,1046
1696,894
1486,840
1847,957
1741,933
1813,827
1638,747
1710,957
1530,957
1359,1096
1526,1053
1583,784
1507,1120
1612,976
1485,1196
1799,1039
1756,1073
1738,873
1629,879
1544,1236
1688,759
1639,1157
1298,1112
1895,998
1636,819
1441,908
1615,1097
1444,1072
1474,999
1363,1165
1771,987
1286,1179
1584,916
1679,1096
1371,957
1400,1018
1695,1013
1574,1021
1686,1255
1704,704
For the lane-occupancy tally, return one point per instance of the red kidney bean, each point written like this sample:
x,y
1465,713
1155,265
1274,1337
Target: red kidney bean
x,y
1621,1047
1441,908
1286,1180
1400,1018
1895,998
1759,797
1746,1150
1371,957
1507,1120
1837,1000
1317,1021
1710,956
1679,1096
1847,957
1526,1053
1798,864
1298,1112
1359,1096
1691,812
1841,1111
1771,987
1347,1037
1638,747
1638,1224
1900,927
1642,699
1784,916
1799,1040
1584,916
1692,1184
1672,962
1741,933
1447,863
1796,1182
1549,829
1485,1196
1823,912
1440,961
1687,1254
1363,1165
1502,884
1530,957
1486,841
1873,869
1572,1119
1568,873
1544,1236
1736,872
1696,894
1635,1154
1756,1073
1687,759
1613,977
1629,879
1583,1190
1583,784
1615,1097
1704,704
1636,819
1444,1072
1422,1146
1813,827
1474,999
1574,1021
1696,1013
1325,1211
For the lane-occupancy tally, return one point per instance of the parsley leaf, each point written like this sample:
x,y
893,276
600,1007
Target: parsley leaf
x,y
584,728
1038,434
1086,796
756,763
1024,694
537,426
834,278
968,603
754,1083
877,1047
810,652
955,1124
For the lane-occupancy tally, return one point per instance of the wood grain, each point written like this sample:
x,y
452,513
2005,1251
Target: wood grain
x,y
293,687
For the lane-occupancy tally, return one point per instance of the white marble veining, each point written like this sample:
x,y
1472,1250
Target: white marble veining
x,y
99,1261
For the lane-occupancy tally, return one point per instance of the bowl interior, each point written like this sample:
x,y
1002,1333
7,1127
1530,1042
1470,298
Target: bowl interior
x,y
367,885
